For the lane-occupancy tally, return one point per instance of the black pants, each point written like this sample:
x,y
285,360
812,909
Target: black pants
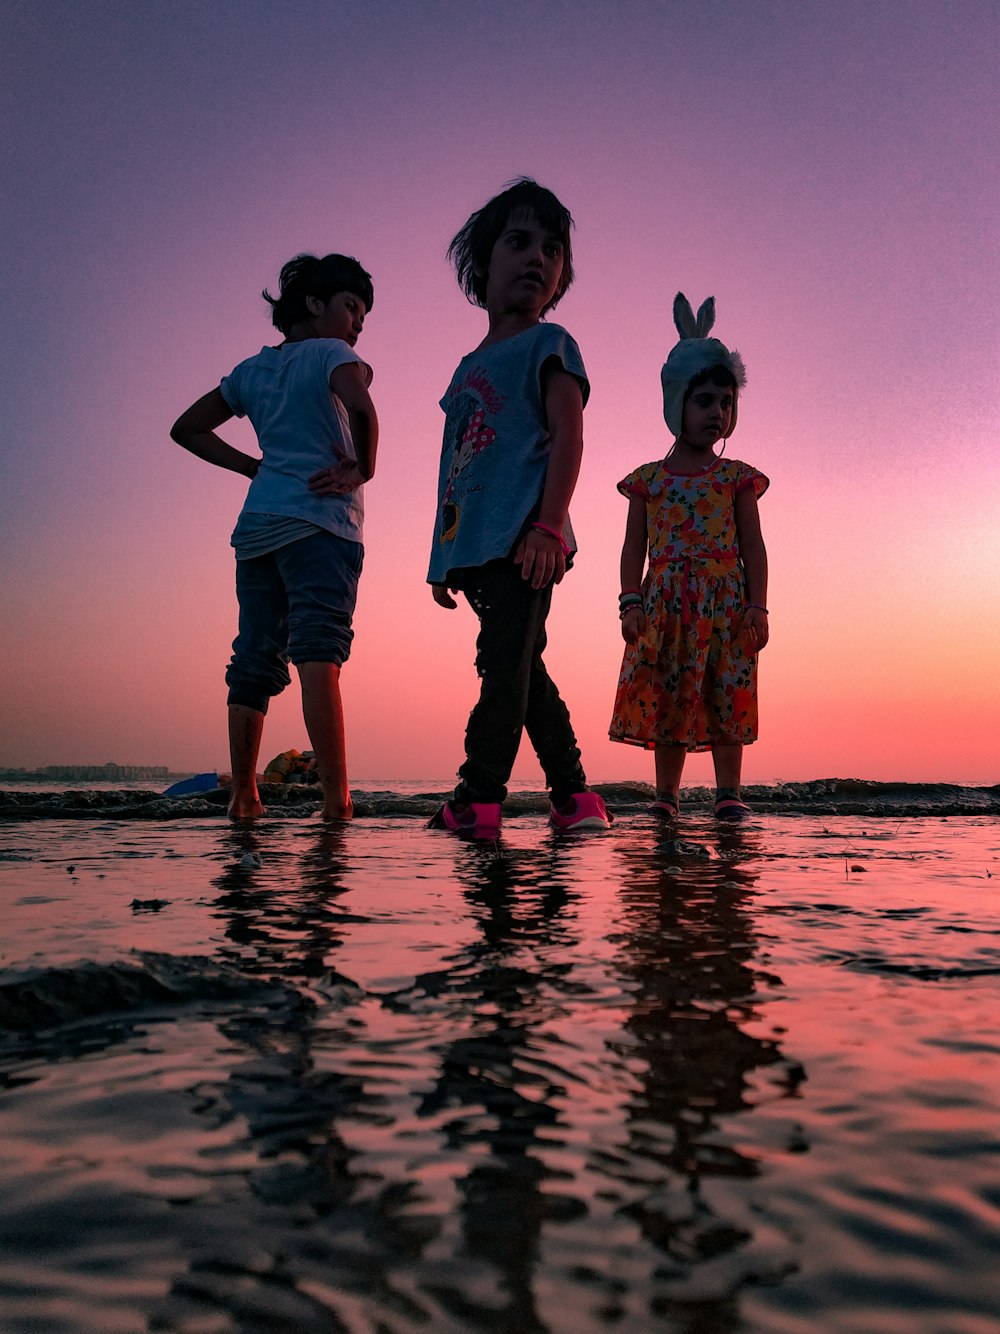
x,y
517,693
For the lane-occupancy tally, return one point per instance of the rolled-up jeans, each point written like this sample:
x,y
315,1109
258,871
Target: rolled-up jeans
x,y
517,694
296,605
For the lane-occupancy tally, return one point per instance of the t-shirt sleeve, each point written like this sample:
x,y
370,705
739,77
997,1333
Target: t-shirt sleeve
x,y
635,484
563,347
231,394
748,476
335,352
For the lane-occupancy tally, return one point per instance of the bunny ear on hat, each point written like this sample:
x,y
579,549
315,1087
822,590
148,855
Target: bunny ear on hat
x,y
688,324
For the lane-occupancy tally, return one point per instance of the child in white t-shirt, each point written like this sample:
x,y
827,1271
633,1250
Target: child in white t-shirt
x,y
299,536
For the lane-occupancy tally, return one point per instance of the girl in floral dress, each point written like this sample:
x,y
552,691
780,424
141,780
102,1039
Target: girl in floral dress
x,y
694,624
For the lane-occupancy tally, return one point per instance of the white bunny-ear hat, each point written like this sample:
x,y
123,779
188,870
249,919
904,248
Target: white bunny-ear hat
x,y
695,352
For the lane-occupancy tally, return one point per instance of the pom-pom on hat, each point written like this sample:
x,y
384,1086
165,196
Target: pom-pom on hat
x,y
696,352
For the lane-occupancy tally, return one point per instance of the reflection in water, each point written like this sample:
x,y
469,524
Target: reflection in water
x,y
494,996
497,1082
284,924
523,1138
577,1117
498,1075
686,954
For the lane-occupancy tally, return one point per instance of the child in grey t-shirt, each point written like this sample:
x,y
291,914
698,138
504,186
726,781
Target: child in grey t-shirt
x,y
513,441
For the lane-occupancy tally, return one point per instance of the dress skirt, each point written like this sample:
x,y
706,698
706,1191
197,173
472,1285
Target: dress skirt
x,y
688,680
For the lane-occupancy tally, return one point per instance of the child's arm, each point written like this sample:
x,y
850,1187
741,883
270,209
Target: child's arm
x,y
348,383
633,559
753,554
194,430
539,554
442,595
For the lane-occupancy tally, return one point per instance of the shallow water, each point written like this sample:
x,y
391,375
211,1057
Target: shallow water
x,y
385,1080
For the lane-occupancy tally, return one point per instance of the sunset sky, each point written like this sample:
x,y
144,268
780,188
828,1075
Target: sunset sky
x,y
827,171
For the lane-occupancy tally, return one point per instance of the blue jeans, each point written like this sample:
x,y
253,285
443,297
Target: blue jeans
x,y
296,605
516,693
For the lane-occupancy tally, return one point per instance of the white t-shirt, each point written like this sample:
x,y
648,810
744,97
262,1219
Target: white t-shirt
x,y
301,427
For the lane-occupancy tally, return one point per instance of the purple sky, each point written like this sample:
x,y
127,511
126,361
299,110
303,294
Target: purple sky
x,y
828,172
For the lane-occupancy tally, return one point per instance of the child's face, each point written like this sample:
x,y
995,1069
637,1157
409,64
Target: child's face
x,y
526,264
708,414
343,316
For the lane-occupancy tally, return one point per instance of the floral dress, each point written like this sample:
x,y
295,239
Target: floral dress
x,y
688,680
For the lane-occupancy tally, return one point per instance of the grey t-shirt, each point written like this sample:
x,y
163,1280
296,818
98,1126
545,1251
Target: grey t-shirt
x,y
495,451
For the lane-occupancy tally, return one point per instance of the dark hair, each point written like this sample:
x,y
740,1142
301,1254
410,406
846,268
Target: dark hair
x,y
306,275
472,247
719,375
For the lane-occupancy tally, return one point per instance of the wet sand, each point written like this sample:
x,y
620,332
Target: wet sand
x,y
381,1079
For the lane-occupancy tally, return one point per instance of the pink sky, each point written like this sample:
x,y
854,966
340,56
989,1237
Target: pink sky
x,y
823,170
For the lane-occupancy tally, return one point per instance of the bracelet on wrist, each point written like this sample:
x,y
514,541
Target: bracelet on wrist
x,y
755,606
551,532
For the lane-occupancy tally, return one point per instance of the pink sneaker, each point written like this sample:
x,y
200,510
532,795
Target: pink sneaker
x,y
588,813
479,818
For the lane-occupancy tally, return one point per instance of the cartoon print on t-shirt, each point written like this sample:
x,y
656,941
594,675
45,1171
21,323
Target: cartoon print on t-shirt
x,y
466,435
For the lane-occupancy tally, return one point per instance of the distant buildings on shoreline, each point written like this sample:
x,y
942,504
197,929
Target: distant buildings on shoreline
x,y
88,773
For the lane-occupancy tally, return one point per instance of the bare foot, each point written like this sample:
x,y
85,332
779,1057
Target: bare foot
x,y
245,806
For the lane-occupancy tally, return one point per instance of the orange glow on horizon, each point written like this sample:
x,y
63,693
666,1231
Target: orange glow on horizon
x,y
845,252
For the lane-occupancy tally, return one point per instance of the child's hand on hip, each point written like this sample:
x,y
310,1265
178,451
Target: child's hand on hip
x,y
540,556
633,624
343,477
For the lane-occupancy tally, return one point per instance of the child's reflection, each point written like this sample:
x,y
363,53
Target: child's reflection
x,y
687,951
278,897
497,1072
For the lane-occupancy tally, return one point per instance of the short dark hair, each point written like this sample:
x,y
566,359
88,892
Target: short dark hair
x,y
718,375
471,248
307,275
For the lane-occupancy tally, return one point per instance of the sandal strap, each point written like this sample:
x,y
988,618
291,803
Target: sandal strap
x,y
665,804
730,804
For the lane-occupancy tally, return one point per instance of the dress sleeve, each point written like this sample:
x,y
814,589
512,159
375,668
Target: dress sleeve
x,y
747,476
635,484
556,342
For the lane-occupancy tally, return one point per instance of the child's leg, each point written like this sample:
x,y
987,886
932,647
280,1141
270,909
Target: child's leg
x,y
511,619
321,577
257,671
728,761
245,728
550,730
729,805
669,761
323,712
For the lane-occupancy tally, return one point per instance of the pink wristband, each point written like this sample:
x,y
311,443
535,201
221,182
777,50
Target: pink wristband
x,y
551,532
